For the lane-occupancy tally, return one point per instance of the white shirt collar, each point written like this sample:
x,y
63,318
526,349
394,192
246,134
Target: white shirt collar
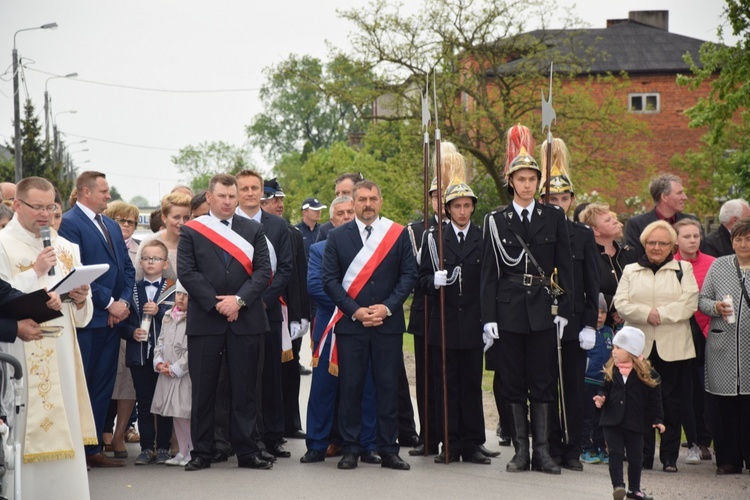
x,y
229,220
361,227
86,210
256,217
465,230
518,208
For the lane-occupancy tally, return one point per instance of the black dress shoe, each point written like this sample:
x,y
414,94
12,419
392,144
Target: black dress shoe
x,y
440,459
198,463
409,441
218,457
295,434
572,464
488,453
348,461
277,450
253,462
504,441
669,466
726,469
304,371
394,462
313,456
264,455
477,457
370,457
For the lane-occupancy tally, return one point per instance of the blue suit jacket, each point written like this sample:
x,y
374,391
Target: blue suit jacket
x,y
390,284
325,305
117,282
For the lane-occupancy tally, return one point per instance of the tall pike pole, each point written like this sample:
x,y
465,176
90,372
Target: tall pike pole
x,y
446,446
426,319
548,116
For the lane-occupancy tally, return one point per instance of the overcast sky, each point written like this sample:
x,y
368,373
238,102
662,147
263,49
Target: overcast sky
x,y
180,45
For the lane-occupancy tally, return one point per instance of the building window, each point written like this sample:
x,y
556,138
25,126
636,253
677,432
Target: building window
x,y
643,103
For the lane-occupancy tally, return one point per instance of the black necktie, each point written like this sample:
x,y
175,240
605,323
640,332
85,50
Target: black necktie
x,y
525,220
226,255
369,232
461,239
99,221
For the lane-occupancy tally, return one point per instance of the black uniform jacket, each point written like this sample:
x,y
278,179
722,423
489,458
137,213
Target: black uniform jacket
x,y
628,403
585,279
463,323
515,307
415,231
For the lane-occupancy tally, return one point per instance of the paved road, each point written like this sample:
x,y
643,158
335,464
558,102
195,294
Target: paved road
x,y
291,480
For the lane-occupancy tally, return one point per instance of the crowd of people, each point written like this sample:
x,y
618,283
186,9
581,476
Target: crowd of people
x,y
598,337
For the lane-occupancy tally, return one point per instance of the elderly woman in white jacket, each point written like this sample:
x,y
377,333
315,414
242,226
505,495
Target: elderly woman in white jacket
x,y
658,295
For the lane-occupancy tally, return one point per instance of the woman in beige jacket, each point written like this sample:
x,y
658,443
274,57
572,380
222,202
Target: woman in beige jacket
x,y
658,295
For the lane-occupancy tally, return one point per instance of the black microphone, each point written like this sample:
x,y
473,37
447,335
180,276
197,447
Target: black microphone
x,y
46,241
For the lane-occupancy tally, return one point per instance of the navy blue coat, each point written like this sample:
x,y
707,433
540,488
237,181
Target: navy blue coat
x,y
142,353
117,283
390,284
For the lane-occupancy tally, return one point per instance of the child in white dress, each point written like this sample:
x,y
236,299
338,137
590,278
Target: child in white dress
x,y
173,389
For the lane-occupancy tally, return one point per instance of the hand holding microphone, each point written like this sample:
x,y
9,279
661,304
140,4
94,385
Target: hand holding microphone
x,y
47,259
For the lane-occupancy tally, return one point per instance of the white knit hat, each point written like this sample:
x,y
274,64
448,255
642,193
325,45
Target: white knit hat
x,y
180,288
602,302
631,339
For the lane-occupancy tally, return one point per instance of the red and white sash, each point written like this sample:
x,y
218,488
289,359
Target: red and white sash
x,y
370,256
226,239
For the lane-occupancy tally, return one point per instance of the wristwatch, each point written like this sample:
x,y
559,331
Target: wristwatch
x,y
240,302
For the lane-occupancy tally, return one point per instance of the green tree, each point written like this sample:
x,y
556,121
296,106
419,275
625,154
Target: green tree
x,y
723,160
203,161
139,201
36,158
114,193
489,74
309,103
390,154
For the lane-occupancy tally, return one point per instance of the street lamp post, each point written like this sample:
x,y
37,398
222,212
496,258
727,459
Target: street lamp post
x,y
46,104
56,135
16,103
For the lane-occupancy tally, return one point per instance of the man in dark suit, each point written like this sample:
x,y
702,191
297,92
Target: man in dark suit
x,y
460,278
250,185
223,263
100,241
369,288
522,307
669,200
580,333
719,243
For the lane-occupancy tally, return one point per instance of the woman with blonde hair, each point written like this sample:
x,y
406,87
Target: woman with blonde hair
x,y
175,212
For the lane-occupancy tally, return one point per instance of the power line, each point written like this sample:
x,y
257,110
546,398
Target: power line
x,y
151,89
119,143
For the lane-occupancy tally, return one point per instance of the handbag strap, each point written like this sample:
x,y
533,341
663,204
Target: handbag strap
x,y
742,280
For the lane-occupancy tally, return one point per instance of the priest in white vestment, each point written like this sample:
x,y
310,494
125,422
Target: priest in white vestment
x,y
59,420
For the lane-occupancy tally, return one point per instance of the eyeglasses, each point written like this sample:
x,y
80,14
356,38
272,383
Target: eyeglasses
x,y
126,222
658,244
39,208
152,260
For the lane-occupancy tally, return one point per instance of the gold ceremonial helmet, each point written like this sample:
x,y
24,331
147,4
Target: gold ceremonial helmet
x,y
559,179
523,160
458,189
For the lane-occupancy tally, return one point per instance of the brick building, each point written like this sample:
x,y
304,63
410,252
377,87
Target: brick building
x,y
643,47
